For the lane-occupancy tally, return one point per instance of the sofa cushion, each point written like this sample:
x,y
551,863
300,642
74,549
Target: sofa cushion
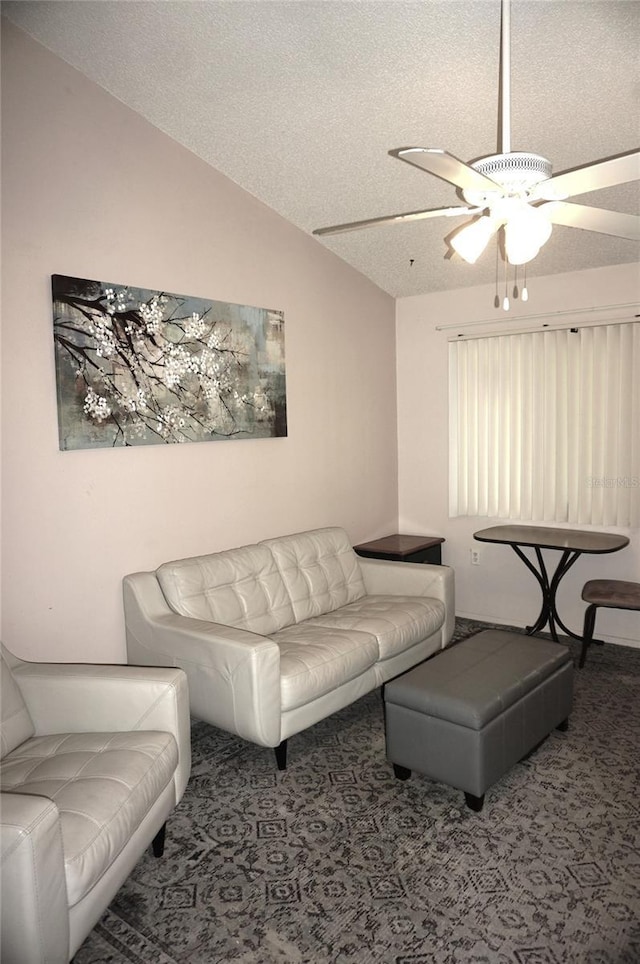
x,y
319,569
237,587
103,785
397,622
17,725
314,663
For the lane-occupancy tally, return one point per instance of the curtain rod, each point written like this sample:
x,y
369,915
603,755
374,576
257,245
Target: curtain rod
x,y
572,326
548,314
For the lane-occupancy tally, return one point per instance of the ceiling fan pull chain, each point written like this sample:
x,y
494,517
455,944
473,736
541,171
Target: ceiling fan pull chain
x,y
515,282
505,303
525,293
496,300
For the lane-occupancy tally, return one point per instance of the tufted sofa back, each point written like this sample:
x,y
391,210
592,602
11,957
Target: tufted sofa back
x,y
319,569
237,587
265,587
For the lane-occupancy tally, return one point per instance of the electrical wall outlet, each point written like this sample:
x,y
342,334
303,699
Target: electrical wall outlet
x,y
475,557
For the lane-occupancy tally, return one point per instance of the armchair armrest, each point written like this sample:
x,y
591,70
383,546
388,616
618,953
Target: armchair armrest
x,y
234,675
34,912
82,697
381,576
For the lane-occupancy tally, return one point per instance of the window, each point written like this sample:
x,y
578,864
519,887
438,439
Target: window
x,y
545,426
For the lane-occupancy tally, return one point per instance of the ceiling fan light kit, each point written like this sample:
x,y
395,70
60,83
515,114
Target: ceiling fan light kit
x,y
514,194
525,227
471,239
525,231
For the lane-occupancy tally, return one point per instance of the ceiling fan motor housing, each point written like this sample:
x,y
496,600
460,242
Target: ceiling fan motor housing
x,y
515,174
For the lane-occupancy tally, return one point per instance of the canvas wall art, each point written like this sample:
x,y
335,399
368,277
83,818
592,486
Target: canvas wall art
x,y
140,367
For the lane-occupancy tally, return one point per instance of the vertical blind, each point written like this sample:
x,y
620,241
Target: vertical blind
x,y
545,426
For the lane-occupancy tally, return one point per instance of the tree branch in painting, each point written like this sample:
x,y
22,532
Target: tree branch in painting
x,y
136,366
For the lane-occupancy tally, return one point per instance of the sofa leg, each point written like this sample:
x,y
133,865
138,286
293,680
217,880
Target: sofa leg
x,y
158,841
281,755
564,726
473,802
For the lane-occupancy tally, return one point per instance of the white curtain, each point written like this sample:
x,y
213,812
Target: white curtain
x,y
545,426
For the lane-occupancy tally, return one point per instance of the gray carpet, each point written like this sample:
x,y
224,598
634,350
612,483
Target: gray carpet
x,y
337,862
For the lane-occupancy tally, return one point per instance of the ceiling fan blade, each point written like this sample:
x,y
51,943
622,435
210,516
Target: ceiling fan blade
x,y
592,219
590,177
398,218
447,167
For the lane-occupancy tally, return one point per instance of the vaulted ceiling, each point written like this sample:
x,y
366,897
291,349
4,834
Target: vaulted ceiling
x,y
299,102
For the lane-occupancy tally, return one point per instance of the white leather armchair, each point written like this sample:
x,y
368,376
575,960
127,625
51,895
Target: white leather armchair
x,y
93,760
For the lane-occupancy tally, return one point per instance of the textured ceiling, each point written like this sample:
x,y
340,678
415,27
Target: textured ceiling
x,y
299,102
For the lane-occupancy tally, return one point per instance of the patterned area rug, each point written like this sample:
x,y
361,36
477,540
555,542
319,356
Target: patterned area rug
x,y
336,862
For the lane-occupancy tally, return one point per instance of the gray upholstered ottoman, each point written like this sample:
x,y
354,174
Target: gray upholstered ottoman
x,y
466,715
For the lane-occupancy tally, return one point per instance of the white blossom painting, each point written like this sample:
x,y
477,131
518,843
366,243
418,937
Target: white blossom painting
x,y
141,367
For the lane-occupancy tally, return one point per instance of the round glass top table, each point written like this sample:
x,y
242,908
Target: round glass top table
x,y
572,543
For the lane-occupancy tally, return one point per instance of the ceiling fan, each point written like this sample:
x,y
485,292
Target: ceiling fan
x,y
514,191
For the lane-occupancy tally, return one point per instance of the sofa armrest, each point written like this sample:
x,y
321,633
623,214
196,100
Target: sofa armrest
x,y
234,675
83,697
34,911
383,577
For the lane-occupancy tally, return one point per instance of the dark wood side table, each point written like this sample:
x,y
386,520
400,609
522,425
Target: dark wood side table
x,y
402,548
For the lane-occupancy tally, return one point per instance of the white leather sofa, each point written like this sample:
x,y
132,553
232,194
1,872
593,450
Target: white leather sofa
x,y
94,759
276,636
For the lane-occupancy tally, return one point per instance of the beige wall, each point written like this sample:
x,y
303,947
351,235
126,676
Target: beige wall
x,y
90,189
500,588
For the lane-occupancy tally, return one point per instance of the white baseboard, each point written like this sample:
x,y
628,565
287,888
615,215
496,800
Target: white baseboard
x,y
616,640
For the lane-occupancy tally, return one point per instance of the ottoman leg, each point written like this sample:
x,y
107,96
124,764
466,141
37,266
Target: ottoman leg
x,y
473,802
402,773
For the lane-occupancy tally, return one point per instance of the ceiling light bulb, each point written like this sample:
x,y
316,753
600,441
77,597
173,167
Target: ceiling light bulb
x,y
525,232
471,240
